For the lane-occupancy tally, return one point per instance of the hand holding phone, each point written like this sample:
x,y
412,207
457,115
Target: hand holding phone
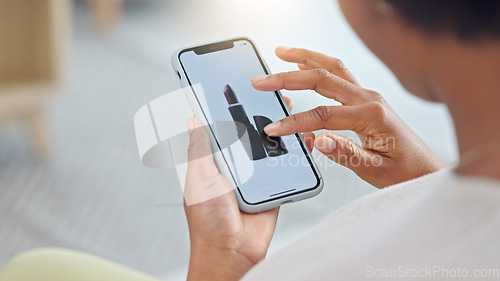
x,y
277,169
218,230
216,224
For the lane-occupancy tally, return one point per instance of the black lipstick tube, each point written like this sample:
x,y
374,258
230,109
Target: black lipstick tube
x,y
253,145
275,146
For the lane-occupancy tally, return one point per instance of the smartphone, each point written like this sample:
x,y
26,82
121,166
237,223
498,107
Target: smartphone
x,y
265,171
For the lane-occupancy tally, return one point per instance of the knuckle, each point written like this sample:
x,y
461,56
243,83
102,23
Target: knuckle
x,y
292,122
347,154
338,64
322,113
280,76
321,74
377,109
293,119
350,150
375,96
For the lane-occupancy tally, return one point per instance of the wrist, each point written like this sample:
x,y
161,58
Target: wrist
x,y
213,263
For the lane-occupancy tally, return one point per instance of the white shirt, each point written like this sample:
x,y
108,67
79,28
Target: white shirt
x,y
438,226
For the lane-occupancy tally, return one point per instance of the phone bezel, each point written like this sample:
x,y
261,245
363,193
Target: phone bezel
x,y
228,44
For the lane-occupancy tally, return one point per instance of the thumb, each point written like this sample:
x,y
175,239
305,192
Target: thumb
x,y
203,180
200,159
348,154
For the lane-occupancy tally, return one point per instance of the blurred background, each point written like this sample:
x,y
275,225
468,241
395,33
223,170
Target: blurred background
x,y
72,76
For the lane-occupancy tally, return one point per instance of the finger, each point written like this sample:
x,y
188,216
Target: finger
x,y
348,154
354,118
309,139
288,102
313,60
303,67
200,159
320,80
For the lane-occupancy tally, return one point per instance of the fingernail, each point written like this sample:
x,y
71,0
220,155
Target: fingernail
x,y
190,125
269,129
327,145
257,79
284,48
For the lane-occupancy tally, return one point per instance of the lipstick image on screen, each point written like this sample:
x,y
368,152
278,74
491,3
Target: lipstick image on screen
x,y
253,145
273,145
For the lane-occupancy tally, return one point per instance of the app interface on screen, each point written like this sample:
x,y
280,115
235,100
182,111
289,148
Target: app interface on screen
x,y
264,167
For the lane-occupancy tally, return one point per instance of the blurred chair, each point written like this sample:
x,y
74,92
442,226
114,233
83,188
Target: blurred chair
x,y
33,45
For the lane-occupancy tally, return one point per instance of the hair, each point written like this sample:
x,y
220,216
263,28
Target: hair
x,y
467,19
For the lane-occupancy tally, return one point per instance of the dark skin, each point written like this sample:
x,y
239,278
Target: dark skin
x,y
390,152
226,243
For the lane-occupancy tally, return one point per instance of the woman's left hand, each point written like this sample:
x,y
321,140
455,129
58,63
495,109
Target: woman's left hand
x,y
225,243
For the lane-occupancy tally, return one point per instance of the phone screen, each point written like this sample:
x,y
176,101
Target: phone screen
x,y
264,168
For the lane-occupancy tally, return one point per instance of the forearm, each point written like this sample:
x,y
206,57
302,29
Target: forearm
x,y
215,264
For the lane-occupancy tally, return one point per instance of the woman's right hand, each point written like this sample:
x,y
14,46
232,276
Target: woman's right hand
x,y
390,152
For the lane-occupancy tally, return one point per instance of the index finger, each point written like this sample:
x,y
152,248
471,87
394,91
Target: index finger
x,y
312,60
319,80
353,118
